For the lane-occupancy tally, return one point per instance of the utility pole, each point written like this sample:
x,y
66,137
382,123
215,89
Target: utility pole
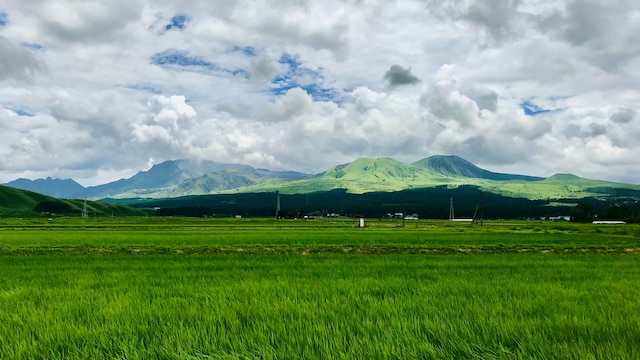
x,y
478,214
85,213
451,215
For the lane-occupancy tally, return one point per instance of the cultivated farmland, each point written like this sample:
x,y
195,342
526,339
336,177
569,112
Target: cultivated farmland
x,y
176,288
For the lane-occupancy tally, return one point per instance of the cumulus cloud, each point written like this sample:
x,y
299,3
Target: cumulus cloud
x,y
169,123
397,75
530,86
294,103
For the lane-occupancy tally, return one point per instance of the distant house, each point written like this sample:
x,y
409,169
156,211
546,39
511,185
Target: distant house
x,y
614,222
560,218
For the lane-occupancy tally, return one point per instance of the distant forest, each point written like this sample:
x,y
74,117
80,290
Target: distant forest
x,y
432,203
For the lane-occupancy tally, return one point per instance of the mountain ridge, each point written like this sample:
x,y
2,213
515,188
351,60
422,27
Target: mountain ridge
x,y
58,188
384,174
457,166
176,178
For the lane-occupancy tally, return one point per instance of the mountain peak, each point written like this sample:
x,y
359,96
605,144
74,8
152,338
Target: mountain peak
x,y
452,165
563,177
379,168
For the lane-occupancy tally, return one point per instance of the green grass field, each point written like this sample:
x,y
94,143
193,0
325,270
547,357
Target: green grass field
x,y
260,289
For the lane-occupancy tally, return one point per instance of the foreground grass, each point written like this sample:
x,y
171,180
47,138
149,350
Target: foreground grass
x,y
262,289
320,306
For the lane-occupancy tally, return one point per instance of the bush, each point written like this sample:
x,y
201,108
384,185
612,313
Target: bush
x,y
56,207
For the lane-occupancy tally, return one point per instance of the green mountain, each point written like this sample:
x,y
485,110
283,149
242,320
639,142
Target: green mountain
x,y
458,167
361,176
385,174
179,178
53,187
187,177
18,203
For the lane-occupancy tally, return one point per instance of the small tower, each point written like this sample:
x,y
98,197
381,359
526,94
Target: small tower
x,y
451,215
85,213
478,214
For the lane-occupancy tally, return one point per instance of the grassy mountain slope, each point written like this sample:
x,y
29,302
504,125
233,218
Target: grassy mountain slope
x,y
458,167
19,202
16,202
385,174
189,177
363,175
183,178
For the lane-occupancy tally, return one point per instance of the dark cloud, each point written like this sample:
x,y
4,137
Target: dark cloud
x,y
485,98
16,62
586,131
397,75
609,29
495,16
262,68
588,20
500,19
87,21
623,116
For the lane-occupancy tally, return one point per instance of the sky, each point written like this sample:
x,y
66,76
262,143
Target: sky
x,y
99,90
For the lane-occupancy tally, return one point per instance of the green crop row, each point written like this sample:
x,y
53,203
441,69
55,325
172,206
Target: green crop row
x,y
282,236
320,306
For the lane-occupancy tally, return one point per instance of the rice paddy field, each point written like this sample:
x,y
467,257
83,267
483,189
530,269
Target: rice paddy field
x,y
171,288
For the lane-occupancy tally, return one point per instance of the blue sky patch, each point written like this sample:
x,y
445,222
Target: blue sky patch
x,y
291,79
4,19
192,63
292,60
154,89
317,92
32,46
245,50
240,72
178,22
180,58
531,109
20,111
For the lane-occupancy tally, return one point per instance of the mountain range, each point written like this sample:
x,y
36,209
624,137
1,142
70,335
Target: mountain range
x,y
176,178
168,179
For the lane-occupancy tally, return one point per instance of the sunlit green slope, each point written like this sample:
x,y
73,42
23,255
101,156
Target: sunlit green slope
x,y
385,174
458,167
363,175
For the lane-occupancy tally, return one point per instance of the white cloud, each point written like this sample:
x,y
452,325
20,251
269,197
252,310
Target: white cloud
x,y
530,86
